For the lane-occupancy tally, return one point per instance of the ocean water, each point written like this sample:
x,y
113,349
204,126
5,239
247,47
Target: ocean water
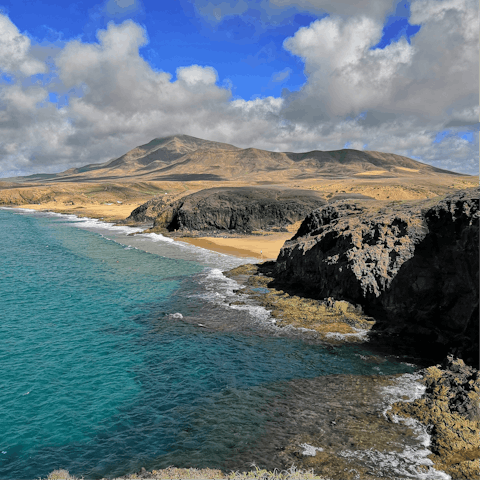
x,y
119,352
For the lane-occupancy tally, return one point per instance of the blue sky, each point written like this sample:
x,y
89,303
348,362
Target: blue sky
x,y
86,81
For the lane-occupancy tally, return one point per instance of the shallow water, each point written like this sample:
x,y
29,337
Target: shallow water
x,y
121,351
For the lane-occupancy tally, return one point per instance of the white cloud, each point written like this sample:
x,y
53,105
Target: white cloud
x,y
259,106
14,51
197,75
433,74
407,93
344,75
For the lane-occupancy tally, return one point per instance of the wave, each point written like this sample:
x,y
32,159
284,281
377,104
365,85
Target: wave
x,y
407,462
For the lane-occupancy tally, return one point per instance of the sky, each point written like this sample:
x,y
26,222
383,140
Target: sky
x,y
84,82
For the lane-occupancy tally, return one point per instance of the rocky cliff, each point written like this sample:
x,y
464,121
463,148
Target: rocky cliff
x,y
241,209
413,266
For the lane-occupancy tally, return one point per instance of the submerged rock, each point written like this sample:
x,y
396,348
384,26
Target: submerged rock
x,y
412,266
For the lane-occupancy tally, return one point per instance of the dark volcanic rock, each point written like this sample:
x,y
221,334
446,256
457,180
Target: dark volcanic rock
x,y
148,211
412,266
242,209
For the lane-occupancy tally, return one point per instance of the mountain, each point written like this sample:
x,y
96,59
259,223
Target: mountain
x,y
183,158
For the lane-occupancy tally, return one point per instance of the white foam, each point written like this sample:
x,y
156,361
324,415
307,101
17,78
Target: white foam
x,y
405,463
222,290
310,450
86,222
18,209
291,328
157,237
258,312
176,315
406,389
173,249
359,333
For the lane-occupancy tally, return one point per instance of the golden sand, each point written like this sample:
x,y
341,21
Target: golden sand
x,y
100,200
109,213
266,247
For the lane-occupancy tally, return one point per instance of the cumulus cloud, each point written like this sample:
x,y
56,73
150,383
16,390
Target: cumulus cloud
x,y
196,75
14,51
344,75
394,99
122,102
425,78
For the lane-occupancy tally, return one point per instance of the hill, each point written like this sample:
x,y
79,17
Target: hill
x,y
186,158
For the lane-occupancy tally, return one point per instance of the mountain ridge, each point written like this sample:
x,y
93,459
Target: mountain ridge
x,y
183,156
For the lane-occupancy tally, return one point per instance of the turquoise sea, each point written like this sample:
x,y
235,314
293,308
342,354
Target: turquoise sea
x,y
119,352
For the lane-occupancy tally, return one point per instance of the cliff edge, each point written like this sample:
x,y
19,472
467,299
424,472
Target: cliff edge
x,y
413,266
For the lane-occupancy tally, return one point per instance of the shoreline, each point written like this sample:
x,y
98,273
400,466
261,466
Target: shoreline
x,y
261,246
306,464
400,409
108,213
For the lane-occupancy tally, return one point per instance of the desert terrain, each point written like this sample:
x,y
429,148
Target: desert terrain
x,y
174,167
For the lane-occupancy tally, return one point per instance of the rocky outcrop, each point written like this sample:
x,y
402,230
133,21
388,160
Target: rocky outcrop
x,y
148,211
450,409
414,267
241,209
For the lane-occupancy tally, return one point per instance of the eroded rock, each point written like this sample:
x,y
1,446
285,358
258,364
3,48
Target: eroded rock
x,y
450,409
240,209
413,266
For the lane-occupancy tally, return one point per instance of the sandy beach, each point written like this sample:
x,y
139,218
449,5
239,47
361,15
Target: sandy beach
x,y
263,247
110,213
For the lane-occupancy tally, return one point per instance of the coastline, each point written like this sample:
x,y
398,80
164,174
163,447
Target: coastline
x,y
116,212
239,240
263,247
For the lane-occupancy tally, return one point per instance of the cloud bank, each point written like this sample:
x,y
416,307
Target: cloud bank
x,y
396,99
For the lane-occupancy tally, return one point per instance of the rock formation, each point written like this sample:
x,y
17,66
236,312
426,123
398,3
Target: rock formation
x,y
450,409
148,211
412,266
241,209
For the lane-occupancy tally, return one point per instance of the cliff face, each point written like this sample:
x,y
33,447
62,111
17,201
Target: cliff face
x,y
413,266
241,209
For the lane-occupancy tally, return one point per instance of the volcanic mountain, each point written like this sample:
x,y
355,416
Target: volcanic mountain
x,y
186,158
